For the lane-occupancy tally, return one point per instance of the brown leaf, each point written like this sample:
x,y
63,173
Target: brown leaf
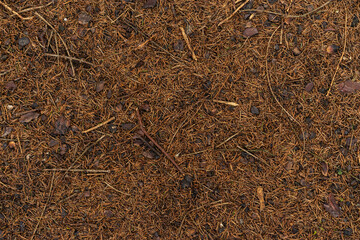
x,y
10,86
149,154
100,86
127,126
349,86
260,194
332,207
309,87
324,168
28,117
84,18
7,131
249,32
150,4
62,125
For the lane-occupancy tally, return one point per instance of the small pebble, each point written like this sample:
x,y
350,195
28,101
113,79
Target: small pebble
x,y
186,182
3,57
348,232
332,49
296,51
24,41
254,110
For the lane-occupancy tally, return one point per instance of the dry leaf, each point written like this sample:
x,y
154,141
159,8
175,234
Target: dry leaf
x,y
10,86
260,193
84,18
349,86
7,131
62,125
100,86
249,32
324,168
332,207
150,4
28,117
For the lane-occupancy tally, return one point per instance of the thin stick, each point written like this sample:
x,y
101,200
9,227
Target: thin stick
x,y
8,186
69,58
77,170
14,12
286,15
149,146
62,40
33,8
99,125
156,144
254,156
107,184
269,82
233,14
228,139
271,89
188,43
43,211
342,56
234,104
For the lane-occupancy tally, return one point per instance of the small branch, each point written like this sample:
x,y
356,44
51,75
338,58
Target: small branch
x,y
14,12
188,43
77,170
116,190
233,14
156,144
99,125
62,40
342,56
69,58
234,104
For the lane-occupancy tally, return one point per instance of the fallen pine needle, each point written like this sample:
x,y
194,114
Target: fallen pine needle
x,y
116,190
77,170
234,104
99,125
342,56
69,58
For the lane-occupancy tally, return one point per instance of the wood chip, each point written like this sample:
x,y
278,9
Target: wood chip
x,y
249,32
260,194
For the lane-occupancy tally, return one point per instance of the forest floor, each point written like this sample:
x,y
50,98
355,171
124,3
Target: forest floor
x,y
154,119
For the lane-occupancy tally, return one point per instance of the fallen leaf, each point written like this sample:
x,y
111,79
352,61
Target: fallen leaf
x,y
62,125
127,126
150,154
10,86
324,168
332,207
100,86
7,131
260,194
28,117
309,87
150,4
249,32
349,86
84,18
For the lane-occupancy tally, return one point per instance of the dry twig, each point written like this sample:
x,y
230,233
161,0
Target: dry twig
x,y
99,125
69,58
188,43
342,56
156,144
14,12
62,40
233,14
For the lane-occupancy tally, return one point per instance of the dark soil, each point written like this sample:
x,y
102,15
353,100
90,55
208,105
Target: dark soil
x,y
250,122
